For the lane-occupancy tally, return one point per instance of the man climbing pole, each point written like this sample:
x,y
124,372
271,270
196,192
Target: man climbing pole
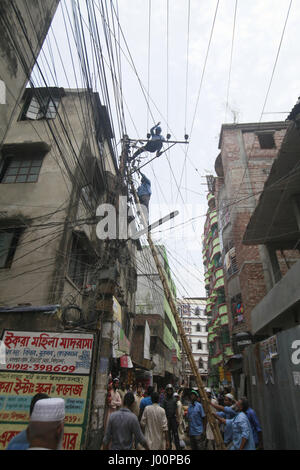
x,y
144,193
153,145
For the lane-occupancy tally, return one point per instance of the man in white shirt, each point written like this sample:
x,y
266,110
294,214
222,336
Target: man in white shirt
x,y
155,423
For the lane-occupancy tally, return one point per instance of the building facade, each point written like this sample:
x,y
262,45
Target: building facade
x,y
152,308
247,152
195,324
24,26
272,364
57,278
219,342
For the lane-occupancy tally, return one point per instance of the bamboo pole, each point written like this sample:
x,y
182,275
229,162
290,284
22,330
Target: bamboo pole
x,y
205,401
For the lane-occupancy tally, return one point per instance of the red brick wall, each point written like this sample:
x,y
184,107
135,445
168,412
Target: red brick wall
x,y
238,186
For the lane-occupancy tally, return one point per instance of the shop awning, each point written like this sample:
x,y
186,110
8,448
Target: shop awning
x,y
30,309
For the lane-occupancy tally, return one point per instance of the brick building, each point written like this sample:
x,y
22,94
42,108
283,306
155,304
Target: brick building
x,y
247,152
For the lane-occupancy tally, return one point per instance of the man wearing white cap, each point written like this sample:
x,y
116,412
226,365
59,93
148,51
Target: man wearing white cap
x,y
46,426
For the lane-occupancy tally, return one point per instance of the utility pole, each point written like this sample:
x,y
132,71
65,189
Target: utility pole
x,y
206,403
107,290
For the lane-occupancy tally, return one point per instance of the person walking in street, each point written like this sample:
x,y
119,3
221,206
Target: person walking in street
x,y
123,428
255,425
113,400
161,396
155,423
138,396
242,435
20,441
122,391
180,420
146,401
170,406
46,425
197,423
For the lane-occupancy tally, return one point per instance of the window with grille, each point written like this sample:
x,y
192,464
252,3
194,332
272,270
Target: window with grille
x,y
199,344
198,327
21,170
40,107
230,261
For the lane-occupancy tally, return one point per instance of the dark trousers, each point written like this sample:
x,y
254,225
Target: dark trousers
x,y
197,442
173,432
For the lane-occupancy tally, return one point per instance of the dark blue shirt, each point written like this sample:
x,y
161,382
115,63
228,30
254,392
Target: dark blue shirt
x,y
145,402
255,426
19,442
145,187
195,416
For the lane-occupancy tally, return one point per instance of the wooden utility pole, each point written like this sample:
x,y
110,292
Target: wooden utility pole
x,y
205,401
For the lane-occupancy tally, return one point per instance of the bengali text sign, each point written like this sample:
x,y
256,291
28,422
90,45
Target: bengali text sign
x,y
67,353
71,439
17,390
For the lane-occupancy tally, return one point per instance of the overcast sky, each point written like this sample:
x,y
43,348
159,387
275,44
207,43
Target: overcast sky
x,y
258,30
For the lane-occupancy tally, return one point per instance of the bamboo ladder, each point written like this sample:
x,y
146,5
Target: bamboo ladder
x,y
205,401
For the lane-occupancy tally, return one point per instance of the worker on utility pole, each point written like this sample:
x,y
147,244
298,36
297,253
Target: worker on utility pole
x,y
144,193
153,145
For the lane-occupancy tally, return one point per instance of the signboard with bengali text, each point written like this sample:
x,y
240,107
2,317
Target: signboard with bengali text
x,y
58,364
67,353
17,390
71,439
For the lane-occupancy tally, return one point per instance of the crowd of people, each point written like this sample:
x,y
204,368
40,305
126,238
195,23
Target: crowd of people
x,y
149,419
159,420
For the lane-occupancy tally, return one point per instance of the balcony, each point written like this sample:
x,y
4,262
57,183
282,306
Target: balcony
x,y
210,197
217,359
215,247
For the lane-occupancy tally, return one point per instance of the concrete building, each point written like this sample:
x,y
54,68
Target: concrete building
x,y
153,308
194,321
272,365
23,29
56,276
219,343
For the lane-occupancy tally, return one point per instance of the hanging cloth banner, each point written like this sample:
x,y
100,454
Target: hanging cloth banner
x,y
126,362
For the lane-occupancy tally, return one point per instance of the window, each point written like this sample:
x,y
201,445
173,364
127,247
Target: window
x,y
79,262
198,327
41,107
225,335
197,311
230,261
266,140
8,244
199,344
21,170
237,309
201,364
